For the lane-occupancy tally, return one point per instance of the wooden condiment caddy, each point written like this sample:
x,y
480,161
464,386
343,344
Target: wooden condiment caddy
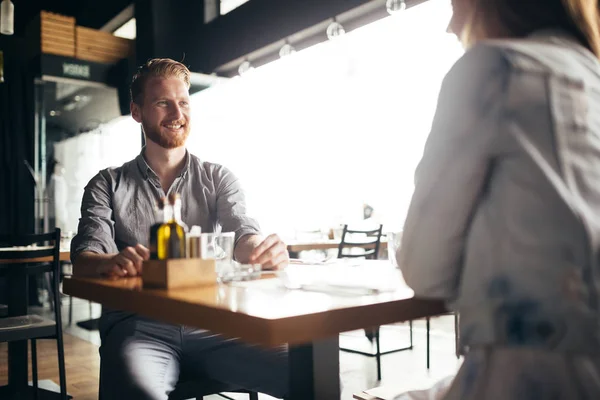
x,y
179,273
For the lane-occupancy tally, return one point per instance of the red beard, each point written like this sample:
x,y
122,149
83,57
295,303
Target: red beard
x,y
165,140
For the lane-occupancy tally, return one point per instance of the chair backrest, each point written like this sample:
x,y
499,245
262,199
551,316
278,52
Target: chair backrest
x,y
42,245
368,240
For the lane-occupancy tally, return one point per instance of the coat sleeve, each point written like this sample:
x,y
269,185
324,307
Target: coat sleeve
x,y
452,174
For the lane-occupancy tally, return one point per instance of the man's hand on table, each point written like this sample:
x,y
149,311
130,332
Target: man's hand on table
x,y
271,253
126,263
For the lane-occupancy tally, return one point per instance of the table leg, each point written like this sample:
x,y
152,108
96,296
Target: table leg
x,y
17,305
315,370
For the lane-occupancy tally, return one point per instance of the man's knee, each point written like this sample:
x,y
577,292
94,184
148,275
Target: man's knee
x,y
137,367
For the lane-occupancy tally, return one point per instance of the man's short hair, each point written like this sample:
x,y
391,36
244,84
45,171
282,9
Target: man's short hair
x,y
156,67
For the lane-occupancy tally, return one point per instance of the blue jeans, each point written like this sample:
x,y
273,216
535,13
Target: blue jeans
x,y
143,359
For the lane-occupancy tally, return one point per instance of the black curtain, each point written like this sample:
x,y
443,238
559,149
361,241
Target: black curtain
x,y
16,139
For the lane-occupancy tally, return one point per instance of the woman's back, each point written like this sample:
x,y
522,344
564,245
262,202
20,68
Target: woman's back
x,y
530,261
505,219
508,196
504,223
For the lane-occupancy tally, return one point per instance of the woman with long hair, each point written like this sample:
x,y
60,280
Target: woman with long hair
x,y
504,223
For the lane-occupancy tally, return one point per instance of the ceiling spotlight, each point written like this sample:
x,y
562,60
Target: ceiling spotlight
x,y
395,6
334,30
7,17
245,67
286,50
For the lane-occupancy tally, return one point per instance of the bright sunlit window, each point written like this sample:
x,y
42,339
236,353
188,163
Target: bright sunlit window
x,y
317,134
82,156
228,5
127,30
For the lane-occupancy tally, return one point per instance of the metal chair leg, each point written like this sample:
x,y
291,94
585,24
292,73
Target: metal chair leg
x,y
49,290
59,342
70,310
427,322
456,339
410,324
378,354
34,372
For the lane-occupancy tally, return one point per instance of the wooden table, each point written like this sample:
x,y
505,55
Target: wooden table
x,y
18,305
262,312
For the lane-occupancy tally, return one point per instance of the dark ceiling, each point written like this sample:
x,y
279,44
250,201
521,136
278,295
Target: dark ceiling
x,y
90,13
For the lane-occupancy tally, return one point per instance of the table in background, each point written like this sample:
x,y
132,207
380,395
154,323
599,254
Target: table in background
x,y
296,246
65,255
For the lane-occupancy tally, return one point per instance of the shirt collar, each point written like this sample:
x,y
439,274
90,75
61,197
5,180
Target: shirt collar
x,y
146,171
554,33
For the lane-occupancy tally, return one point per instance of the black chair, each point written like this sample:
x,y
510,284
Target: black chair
x,y
19,325
365,243
197,389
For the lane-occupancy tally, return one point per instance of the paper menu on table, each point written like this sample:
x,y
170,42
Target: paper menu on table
x,y
381,277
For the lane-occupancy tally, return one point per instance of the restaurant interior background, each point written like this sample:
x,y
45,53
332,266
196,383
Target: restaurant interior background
x,y
312,136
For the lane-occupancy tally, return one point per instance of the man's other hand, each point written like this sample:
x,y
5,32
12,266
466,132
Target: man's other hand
x,y
271,253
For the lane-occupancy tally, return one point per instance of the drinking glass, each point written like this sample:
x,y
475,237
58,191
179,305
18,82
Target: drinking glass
x,y
218,247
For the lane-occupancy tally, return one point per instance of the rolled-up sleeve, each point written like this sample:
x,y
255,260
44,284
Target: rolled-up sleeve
x,y
452,174
231,205
96,232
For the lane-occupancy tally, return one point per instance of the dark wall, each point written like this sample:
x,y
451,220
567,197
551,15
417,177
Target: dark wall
x,y
164,28
91,13
16,140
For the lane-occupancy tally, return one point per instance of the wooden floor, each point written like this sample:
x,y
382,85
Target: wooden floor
x,y
82,365
405,370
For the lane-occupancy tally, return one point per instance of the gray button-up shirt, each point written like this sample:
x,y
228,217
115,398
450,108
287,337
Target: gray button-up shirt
x,y
118,206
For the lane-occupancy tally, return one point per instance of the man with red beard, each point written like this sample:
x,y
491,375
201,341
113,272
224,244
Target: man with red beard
x,y
142,358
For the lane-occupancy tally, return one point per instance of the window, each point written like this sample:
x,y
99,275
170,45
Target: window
x,y
317,134
228,5
82,156
127,30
